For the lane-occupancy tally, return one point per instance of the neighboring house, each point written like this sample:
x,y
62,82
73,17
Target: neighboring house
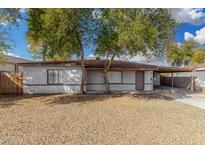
x,y
9,63
200,74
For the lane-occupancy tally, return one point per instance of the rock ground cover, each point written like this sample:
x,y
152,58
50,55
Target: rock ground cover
x,y
99,119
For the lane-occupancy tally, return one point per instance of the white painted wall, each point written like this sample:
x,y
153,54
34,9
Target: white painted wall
x,y
114,77
7,67
129,77
97,88
96,77
38,75
200,74
9,63
156,79
93,78
72,75
50,89
148,80
122,87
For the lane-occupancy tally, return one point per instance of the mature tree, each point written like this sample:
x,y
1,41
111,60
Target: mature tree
x,y
132,32
57,34
7,17
198,56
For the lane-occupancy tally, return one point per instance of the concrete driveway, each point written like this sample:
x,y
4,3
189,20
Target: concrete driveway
x,y
196,99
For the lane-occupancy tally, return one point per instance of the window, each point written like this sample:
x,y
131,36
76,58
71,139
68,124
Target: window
x,y
115,77
55,76
128,77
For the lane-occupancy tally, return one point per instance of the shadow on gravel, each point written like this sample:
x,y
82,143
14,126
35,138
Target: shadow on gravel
x,y
7,101
82,99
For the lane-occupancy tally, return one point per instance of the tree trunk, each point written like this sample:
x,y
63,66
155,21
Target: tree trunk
x,y
83,71
107,66
44,54
107,87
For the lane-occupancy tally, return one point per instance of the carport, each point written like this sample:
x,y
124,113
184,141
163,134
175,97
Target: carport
x,y
166,71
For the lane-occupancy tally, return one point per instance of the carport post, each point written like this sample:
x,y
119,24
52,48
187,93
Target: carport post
x,y
192,81
172,80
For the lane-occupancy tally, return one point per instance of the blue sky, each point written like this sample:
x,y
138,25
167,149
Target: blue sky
x,y
192,20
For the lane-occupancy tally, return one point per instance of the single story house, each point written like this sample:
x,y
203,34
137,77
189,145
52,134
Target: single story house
x,y
9,63
65,76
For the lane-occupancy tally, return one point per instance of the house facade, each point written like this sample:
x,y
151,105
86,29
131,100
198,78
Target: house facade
x,y
65,76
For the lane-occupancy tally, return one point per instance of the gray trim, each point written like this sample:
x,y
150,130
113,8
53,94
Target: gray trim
x,y
110,83
51,84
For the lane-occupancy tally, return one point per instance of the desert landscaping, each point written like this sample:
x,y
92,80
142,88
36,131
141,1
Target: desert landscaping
x,y
99,119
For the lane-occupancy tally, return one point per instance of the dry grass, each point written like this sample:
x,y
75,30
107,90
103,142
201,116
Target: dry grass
x,y
99,119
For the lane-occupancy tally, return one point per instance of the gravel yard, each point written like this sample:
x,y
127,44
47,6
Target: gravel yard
x,y
98,119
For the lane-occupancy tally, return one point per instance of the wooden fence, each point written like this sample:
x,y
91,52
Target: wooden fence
x,y
11,83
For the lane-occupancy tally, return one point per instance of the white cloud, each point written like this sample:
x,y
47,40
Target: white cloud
x,y
91,56
152,59
188,36
11,54
198,38
188,15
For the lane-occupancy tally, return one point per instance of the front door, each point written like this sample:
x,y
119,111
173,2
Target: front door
x,y
139,80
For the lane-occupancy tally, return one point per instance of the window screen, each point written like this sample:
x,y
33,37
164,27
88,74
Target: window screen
x,y
55,76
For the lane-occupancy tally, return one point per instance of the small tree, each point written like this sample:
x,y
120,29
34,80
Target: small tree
x,y
174,54
181,54
187,50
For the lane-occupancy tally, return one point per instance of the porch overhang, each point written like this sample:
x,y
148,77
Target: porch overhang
x,y
173,69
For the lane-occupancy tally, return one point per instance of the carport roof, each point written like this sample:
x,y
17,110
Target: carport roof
x,y
174,69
